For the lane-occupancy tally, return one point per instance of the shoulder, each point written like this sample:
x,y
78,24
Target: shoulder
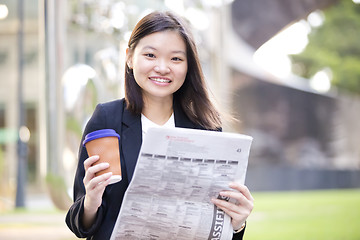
x,y
111,108
107,114
113,105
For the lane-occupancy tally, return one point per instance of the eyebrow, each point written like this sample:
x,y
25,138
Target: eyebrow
x,y
152,48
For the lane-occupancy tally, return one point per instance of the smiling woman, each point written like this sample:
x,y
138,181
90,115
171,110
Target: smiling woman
x,y
164,86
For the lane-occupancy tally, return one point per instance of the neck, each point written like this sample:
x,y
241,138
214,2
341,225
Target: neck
x,y
158,111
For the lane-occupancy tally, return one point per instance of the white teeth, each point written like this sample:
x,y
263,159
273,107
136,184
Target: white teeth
x,y
160,80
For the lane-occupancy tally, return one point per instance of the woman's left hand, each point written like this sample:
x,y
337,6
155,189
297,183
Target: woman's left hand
x,y
241,209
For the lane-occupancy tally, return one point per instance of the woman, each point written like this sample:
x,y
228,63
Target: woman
x,y
164,85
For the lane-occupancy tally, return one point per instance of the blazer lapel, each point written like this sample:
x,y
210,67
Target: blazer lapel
x,y
131,140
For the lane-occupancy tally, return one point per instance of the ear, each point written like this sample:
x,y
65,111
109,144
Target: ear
x,y
129,58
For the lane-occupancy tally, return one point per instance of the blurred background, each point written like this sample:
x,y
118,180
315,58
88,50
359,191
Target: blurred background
x,y
288,70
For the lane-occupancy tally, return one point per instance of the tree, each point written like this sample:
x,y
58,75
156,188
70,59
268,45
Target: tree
x,y
334,45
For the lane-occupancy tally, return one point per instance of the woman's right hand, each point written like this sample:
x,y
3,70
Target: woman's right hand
x,y
95,187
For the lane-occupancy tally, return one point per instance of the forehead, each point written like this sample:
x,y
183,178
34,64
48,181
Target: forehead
x,y
164,40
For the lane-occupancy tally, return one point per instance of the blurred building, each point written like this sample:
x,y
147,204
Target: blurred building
x,y
74,58
9,105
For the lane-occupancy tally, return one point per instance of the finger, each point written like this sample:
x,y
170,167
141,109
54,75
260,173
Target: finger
x,y
238,196
238,214
243,189
95,190
98,167
100,182
242,202
91,171
90,161
228,207
234,212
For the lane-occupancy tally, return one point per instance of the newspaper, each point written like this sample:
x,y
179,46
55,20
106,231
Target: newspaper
x,y
178,172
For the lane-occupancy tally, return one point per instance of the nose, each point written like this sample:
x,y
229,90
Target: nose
x,y
162,67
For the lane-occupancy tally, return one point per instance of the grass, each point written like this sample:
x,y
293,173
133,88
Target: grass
x,y
307,215
328,214
34,224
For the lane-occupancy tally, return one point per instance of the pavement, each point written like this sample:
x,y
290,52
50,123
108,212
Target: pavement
x,y
39,220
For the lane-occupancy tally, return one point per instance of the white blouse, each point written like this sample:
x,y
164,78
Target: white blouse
x,y
147,123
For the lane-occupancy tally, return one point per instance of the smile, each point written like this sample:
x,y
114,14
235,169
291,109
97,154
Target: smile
x,y
160,80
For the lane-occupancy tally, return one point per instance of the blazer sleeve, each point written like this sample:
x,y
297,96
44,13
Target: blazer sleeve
x,y
75,213
239,236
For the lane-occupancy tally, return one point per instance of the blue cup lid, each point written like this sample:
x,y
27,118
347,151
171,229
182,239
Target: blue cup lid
x,y
100,134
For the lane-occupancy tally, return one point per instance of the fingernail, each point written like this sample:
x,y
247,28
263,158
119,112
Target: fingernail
x,y
222,193
232,184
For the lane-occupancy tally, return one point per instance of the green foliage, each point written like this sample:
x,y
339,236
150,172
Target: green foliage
x,y
55,180
334,45
2,161
58,191
73,125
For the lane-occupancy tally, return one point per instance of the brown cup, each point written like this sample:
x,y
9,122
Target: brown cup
x,y
105,143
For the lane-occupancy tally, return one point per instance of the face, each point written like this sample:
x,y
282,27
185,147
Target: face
x,y
159,64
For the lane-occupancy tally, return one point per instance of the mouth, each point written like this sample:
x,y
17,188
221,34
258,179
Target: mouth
x,y
160,80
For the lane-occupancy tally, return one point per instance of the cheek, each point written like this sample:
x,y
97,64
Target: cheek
x,y
182,73
142,67
180,70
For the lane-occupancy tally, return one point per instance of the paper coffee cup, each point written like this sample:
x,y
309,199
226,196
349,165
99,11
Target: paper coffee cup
x,y
105,143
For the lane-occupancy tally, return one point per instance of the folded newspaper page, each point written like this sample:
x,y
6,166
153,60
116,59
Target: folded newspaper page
x,y
178,172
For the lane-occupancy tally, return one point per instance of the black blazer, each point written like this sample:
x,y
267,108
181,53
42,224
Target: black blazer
x,y
113,115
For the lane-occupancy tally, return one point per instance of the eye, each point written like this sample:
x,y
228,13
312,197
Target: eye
x,y
150,55
177,59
